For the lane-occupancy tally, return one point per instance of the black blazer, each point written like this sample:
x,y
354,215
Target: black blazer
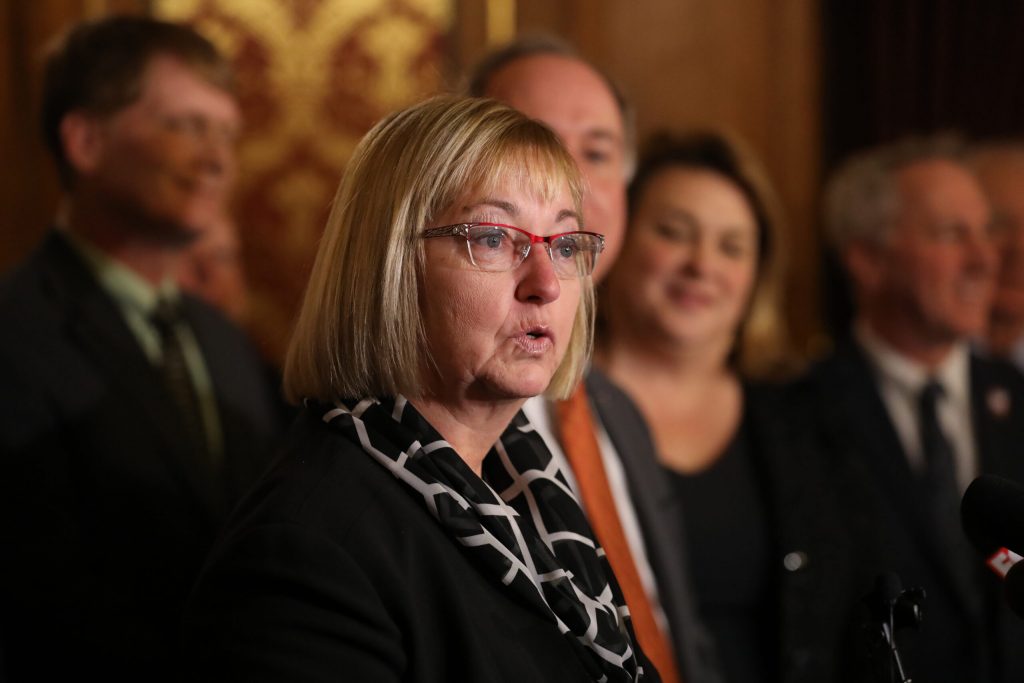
x,y
105,518
968,634
813,571
333,570
660,514
815,574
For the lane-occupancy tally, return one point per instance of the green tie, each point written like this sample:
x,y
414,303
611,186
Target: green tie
x,y
168,319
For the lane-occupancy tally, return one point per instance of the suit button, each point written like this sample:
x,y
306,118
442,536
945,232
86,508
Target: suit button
x,y
795,560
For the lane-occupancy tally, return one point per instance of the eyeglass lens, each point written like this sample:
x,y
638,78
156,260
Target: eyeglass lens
x,y
495,248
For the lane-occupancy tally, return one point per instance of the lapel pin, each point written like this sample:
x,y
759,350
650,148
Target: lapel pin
x,y
998,401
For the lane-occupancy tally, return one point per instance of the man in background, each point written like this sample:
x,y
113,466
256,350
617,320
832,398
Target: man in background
x,y
132,417
1000,169
598,435
907,408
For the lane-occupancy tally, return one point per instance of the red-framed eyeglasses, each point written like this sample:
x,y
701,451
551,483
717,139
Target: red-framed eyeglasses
x,y
496,247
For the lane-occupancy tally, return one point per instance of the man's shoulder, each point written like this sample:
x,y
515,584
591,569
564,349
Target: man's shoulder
x,y
323,480
24,275
213,327
835,382
36,293
846,357
231,357
998,371
604,392
621,418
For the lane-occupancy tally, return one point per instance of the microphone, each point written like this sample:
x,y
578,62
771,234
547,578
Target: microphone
x,y
1013,587
992,512
888,588
889,602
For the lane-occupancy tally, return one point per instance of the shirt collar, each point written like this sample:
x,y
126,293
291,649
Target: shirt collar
x,y
121,282
910,377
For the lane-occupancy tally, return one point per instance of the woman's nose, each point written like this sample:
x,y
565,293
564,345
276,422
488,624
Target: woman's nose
x,y
537,278
696,256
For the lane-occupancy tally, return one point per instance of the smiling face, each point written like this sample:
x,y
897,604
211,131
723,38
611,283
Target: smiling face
x,y
932,281
686,273
1001,174
497,336
576,103
165,163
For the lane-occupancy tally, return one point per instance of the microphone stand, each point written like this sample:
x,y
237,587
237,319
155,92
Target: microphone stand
x,y
896,670
893,609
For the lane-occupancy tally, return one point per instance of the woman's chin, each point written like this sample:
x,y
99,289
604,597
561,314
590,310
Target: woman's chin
x,y
516,388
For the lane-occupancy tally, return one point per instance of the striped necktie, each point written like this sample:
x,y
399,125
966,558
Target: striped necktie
x,y
168,320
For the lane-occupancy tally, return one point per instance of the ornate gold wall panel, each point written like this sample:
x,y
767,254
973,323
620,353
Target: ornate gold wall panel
x,y
313,76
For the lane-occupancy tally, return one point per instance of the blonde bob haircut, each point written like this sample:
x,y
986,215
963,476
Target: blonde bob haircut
x,y
360,331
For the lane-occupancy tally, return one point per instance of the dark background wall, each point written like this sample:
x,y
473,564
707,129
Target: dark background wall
x,y
804,82
914,67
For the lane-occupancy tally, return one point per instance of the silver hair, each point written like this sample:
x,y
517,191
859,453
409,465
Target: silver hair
x,y
862,198
981,154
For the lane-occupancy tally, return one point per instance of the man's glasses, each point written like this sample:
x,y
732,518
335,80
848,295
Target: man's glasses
x,y
497,248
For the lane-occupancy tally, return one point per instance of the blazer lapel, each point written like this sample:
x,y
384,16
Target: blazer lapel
x,y
884,457
660,515
99,330
857,404
997,420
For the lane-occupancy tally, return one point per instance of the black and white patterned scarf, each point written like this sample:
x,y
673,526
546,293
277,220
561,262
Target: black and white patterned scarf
x,y
524,524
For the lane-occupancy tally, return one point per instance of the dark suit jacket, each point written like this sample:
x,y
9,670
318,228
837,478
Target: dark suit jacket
x,y
815,575
105,518
968,634
333,570
661,521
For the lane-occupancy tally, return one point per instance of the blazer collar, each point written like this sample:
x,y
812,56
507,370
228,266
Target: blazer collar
x,y
94,324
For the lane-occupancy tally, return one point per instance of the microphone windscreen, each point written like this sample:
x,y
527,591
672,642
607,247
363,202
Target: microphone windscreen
x,y
992,511
1013,585
888,587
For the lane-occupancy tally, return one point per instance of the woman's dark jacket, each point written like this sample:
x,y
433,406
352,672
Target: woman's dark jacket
x,y
332,570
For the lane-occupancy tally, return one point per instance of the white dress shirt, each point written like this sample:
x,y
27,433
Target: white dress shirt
x,y
900,381
539,411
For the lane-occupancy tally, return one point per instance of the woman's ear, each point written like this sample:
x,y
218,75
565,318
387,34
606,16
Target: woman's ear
x,y
83,141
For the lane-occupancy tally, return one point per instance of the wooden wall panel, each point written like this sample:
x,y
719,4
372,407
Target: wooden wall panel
x,y
748,66
313,77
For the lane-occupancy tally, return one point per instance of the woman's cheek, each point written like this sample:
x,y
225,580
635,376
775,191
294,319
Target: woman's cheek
x,y
655,257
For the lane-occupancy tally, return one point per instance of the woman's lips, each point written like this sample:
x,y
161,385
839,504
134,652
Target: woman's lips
x,y
534,340
687,297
